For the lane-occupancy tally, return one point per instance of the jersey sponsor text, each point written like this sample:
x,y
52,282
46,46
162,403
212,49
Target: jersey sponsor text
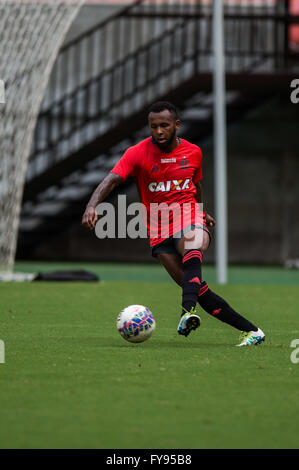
x,y
171,185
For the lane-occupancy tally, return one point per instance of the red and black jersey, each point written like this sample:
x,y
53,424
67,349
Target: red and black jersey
x,y
166,182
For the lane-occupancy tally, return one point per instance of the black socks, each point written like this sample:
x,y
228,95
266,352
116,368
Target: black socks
x,y
191,279
219,308
195,290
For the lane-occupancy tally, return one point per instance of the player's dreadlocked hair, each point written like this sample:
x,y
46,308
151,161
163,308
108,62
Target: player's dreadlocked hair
x,y
161,106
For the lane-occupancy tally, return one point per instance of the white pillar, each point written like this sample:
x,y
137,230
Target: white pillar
x,y
220,143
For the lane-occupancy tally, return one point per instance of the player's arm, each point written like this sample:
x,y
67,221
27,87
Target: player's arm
x,y
90,215
210,220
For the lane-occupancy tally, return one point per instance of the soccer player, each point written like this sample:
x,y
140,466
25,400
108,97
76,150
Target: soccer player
x,y
168,172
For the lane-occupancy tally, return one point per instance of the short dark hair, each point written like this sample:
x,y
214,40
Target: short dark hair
x,y
161,106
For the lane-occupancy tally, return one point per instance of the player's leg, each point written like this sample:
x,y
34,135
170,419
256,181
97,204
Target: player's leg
x,y
220,309
168,255
191,247
172,262
184,266
208,300
212,303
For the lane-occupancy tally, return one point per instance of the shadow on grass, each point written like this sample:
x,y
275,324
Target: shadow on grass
x,y
159,344
97,342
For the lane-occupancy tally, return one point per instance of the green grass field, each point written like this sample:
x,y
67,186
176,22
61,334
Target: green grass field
x,y
70,380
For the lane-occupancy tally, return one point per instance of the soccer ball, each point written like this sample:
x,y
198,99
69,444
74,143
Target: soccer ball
x,y
136,323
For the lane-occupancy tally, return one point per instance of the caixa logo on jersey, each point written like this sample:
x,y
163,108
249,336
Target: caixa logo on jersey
x,y
171,185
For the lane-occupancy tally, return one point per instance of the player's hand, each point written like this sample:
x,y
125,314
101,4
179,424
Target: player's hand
x,y
90,217
211,222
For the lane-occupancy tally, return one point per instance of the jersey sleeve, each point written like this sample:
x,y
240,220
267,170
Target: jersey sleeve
x,y
127,165
198,166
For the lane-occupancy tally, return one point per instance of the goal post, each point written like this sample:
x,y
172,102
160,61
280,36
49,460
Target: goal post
x,y
31,33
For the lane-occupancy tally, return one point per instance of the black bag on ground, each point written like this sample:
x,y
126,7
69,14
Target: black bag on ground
x,y
77,275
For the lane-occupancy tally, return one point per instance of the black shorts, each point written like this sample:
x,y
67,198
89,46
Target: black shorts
x,y
170,245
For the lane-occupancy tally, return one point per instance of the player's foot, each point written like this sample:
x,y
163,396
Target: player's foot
x,y
189,321
248,338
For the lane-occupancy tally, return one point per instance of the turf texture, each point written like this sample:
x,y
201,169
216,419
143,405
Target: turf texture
x,y
70,381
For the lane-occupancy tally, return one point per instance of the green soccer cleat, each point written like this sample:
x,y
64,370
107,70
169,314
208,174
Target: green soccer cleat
x,y
248,338
188,322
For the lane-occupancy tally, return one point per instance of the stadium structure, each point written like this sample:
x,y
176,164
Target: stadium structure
x,y
119,57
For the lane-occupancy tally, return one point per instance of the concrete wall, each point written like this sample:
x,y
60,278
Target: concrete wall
x,y
263,189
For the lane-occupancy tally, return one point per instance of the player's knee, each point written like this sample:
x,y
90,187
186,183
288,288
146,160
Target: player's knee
x,y
196,239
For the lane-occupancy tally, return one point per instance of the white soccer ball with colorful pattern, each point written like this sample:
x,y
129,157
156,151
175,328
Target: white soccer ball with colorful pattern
x,y
136,323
